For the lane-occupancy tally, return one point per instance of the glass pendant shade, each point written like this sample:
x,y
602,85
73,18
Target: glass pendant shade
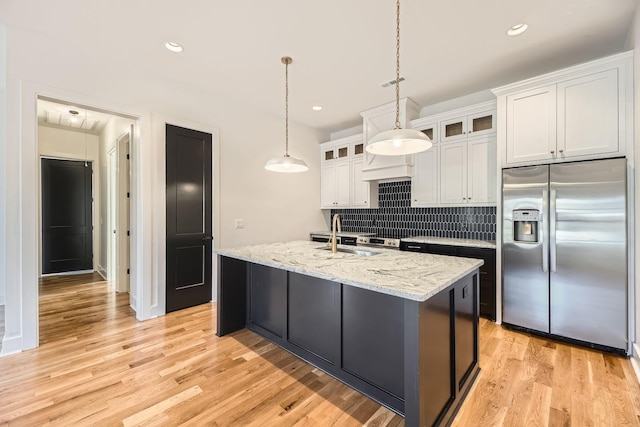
x,y
398,142
286,164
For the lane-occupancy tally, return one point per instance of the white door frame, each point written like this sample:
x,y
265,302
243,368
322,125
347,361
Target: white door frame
x,y
122,213
22,324
112,209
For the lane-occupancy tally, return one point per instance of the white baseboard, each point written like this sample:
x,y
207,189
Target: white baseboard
x,y
11,345
133,303
101,271
635,360
67,273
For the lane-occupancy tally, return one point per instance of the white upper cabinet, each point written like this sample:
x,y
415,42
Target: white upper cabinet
x,y
459,169
579,113
588,115
476,124
335,181
481,170
426,178
468,171
531,125
341,184
453,172
360,190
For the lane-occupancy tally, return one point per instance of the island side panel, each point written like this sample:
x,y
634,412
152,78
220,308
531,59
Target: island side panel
x,y
441,352
232,295
429,353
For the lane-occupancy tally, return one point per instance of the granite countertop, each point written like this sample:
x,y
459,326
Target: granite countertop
x,y
409,275
452,242
344,233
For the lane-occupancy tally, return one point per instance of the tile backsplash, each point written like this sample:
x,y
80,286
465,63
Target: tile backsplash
x,y
396,218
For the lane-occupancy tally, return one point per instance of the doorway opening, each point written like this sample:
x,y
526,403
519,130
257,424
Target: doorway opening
x,y
74,136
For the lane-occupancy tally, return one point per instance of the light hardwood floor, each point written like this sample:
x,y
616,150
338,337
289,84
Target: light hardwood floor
x,y
98,366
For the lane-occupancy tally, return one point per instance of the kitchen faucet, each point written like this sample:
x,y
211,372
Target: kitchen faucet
x,y
336,224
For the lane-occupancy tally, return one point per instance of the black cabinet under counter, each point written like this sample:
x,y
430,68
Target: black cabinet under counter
x,y
487,271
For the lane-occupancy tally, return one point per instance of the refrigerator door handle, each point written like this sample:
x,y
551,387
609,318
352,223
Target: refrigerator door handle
x,y
545,240
552,230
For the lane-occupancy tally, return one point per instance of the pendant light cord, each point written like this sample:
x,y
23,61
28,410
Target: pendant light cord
x,y
397,64
286,107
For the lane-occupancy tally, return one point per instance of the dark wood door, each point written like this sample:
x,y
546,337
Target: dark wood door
x,y
67,226
189,229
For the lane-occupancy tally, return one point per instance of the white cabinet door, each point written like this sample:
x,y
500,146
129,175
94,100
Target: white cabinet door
x,y
343,184
453,129
360,190
482,123
588,115
453,173
481,155
531,125
425,181
328,186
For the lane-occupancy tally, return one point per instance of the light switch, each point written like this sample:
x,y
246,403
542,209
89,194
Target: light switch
x,y
239,224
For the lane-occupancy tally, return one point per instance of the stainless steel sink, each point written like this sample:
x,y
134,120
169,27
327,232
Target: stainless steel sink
x,y
352,250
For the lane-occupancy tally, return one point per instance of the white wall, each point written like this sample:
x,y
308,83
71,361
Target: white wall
x,y
67,144
3,180
116,126
275,207
633,42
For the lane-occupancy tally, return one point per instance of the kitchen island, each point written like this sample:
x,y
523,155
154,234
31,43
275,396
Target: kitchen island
x,y
400,327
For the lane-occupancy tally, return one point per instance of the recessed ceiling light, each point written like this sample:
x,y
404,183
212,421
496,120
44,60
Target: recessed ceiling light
x,y
174,47
316,108
74,116
517,29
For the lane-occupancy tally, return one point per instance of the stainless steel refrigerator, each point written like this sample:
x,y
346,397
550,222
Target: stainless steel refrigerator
x,y
564,249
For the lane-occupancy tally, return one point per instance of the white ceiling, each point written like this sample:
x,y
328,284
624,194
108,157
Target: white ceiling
x,y
342,49
57,115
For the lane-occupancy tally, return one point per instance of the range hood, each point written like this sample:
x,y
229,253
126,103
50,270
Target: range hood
x,y
380,119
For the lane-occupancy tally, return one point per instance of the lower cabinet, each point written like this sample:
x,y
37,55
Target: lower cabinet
x,y
487,292
314,316
371,337
487,278
268,298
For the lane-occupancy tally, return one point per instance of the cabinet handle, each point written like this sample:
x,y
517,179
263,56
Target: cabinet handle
x,y
365,202
561,151
553,152
413,247
464,198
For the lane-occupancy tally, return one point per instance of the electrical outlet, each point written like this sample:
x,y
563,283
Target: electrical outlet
x,y
239,224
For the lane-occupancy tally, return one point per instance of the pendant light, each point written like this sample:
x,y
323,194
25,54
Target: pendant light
x,y
286,164
398,141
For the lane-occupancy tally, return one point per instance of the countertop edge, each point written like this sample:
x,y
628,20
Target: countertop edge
x,y
362,285
451,242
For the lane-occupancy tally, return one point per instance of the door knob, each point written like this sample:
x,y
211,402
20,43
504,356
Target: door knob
x,y
205,238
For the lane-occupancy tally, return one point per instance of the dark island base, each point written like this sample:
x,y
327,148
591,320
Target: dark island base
x,y
418,359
